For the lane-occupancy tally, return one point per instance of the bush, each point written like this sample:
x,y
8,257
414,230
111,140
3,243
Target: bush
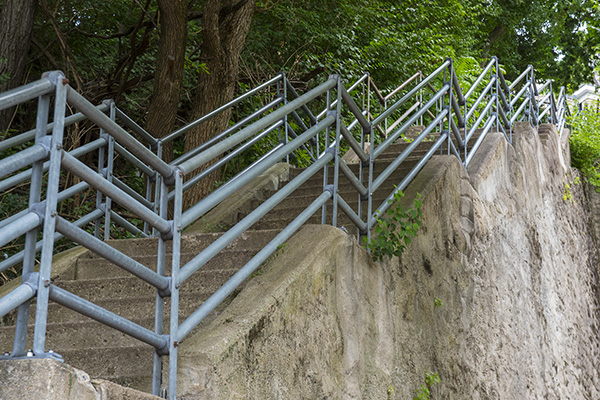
x,y
585,144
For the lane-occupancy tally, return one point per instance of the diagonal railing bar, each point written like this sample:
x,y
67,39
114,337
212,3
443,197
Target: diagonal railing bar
x,y
228,131
458,123
120,134
244,134
131,124
19,257
30,135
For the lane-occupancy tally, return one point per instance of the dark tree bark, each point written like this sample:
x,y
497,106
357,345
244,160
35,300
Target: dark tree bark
x,y
16,23
168,77
493,37
225,25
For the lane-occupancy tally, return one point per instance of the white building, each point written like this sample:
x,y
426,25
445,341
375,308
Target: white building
x,y
586,96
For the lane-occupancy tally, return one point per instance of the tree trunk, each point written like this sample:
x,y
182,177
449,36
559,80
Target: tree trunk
x,y
225,26
494,35
16,23
168,77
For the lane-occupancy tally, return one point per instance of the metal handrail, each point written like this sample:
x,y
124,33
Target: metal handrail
x,y
228,131
221,147
120,134
30,135
25,93
445,109
212,114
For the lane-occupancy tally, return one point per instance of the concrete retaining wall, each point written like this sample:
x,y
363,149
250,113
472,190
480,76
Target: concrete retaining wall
x,y
512,261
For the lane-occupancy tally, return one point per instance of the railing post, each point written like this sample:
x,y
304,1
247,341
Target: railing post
x,y
497,94
101,161
285,120
466,121
110,158
360,163
509,117
553,119
447,72
281,94
149,184
326,167
371,162
450,94
420,97
530,105
160,269
31,237
336,160
533,106
50,214
174,322
158,186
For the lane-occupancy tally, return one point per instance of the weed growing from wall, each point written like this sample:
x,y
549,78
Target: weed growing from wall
x,y
424,393
396,230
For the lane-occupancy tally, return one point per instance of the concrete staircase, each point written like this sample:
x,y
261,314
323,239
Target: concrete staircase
x,y
106,353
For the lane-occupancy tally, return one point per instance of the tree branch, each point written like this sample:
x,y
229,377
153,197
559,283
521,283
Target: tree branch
x,y
64,47
45,53
267,7
105,37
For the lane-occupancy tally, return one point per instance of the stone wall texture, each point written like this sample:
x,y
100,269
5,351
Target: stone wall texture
x,y
507,247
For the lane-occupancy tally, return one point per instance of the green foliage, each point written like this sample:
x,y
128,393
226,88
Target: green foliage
x,y
585,144
437,302
394,232
567,195
424,393
390,40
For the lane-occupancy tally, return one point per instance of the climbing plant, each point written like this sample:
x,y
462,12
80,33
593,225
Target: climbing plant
x,y
396,230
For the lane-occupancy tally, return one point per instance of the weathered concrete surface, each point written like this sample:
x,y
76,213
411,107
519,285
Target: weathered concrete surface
x,y
46,379
594,201
513,263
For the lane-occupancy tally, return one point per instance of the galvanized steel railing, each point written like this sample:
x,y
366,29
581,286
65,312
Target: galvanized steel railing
x,y
435,102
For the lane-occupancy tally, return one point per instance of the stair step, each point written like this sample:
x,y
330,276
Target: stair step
x,y
95,268
301,202
189,243
123,287
127,307
284,220
379,166
103,362
139,382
